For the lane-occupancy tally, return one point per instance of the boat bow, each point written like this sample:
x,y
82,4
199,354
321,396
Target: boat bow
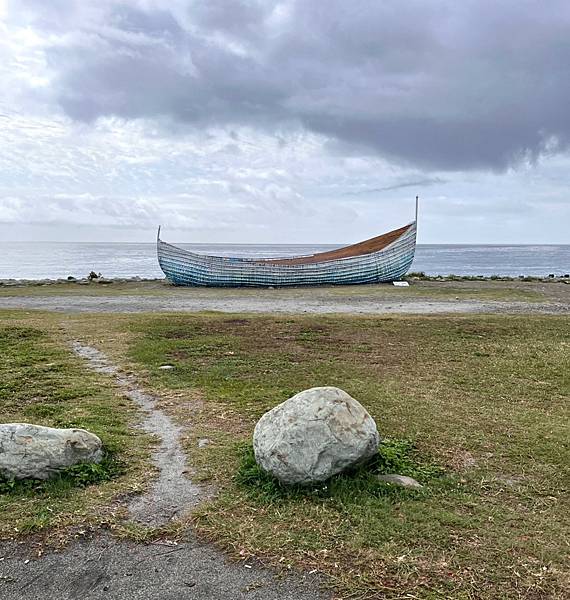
x,y
383,258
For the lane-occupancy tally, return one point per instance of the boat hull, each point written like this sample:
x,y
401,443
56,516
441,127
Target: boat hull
x,y
186,268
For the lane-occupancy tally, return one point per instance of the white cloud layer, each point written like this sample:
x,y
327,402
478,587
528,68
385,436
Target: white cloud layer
x,y
284,121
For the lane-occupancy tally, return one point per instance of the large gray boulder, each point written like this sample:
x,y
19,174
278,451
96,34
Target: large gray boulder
x,y
314,435
36,452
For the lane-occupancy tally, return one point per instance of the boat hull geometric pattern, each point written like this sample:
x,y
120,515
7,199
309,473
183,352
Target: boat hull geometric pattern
x,y
186,268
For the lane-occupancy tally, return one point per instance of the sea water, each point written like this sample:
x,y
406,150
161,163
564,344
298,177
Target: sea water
x,y
48,260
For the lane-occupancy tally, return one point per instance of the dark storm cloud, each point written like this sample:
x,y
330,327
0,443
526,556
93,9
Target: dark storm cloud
x,y
447,85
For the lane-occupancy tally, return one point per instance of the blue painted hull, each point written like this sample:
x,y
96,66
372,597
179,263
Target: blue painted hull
x,y
186,268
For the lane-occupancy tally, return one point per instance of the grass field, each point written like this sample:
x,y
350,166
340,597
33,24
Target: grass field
x,y
475,407
42,382
486,398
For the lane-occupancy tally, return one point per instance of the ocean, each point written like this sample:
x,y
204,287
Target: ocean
x,y
47,260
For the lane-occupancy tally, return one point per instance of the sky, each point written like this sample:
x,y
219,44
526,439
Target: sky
x,y
294,121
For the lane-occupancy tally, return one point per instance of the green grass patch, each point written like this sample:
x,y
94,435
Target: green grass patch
x,y
485,397
80,475
145,288
394,456
42,382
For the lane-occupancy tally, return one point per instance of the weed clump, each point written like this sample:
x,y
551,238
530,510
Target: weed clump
x,y
76,476
395,456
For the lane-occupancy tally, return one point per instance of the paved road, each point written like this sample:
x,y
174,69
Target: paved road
x,y
105,568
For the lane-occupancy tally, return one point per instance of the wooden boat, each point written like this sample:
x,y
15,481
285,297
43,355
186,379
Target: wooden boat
x,y
383,258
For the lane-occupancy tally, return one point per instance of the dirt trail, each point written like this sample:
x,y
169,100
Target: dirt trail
x,y
172,493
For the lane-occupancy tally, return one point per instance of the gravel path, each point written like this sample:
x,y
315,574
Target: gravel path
x,y
172,493
265,304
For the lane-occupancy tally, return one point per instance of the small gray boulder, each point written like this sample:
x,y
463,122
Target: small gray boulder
x,y
36,452
401,480
314,435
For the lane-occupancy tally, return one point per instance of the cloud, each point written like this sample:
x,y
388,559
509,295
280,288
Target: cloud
x,y
417,184
287,121
438,85
119,175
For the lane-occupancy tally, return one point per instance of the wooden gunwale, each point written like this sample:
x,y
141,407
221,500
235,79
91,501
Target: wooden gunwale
x,y
361,248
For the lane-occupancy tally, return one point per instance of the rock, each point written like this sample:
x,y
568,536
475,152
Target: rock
x,y
402,481
314,435
203,442
166,367
510,481
36,452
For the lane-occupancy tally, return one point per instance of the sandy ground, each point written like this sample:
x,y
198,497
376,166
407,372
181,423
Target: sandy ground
x,y
420,298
